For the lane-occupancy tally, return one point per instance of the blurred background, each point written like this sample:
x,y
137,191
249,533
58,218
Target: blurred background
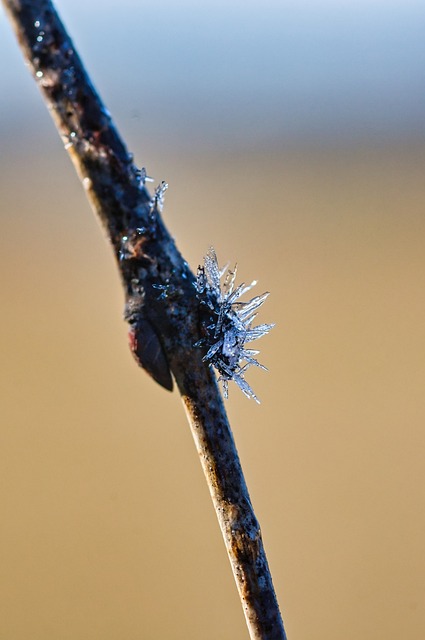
x,y
292,136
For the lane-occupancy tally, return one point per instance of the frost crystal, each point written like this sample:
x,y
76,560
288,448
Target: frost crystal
x,y
227,324
158,199
143,176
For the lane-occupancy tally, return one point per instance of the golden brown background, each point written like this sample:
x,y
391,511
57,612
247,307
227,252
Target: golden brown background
x,y
107,531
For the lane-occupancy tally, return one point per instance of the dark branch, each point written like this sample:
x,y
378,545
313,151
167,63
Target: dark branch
x,y
163,328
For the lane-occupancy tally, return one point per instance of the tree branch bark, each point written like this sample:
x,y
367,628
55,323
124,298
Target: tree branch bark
x,y
163,329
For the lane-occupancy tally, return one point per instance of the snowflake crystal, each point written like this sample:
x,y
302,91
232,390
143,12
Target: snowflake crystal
x,y
227,323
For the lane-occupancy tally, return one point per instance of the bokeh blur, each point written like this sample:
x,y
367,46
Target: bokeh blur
x,y
292,137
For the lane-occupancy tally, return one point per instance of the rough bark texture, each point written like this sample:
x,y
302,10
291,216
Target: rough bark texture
x,y
163,329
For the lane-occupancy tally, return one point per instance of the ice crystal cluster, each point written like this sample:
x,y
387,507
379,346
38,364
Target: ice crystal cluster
x,y
227,323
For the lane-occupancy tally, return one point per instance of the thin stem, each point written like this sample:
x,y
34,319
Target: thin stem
x,y
163,328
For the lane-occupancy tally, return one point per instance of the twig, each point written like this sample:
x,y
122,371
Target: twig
x,y
163,328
